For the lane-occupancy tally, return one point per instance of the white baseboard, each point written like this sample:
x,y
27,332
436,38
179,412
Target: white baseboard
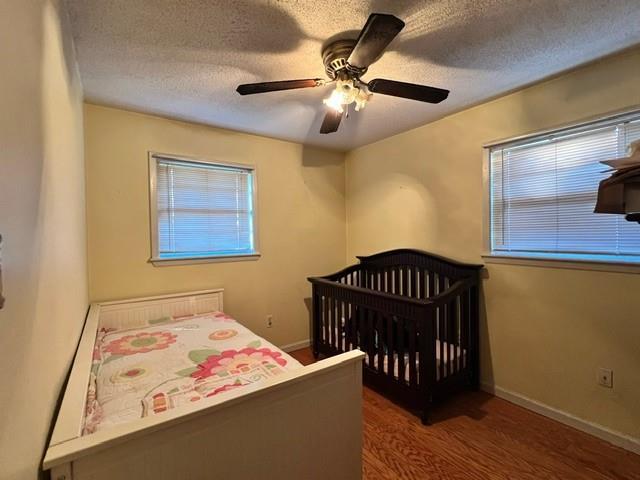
x,y
291,347
618,439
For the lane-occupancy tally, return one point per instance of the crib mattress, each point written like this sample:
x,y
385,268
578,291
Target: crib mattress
x,y
175,361
444,359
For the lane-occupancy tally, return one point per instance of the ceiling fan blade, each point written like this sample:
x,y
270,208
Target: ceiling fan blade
x,y
331,121
376,34
422,93
251,88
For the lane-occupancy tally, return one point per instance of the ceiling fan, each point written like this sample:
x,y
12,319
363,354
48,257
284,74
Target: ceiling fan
x,y
345,62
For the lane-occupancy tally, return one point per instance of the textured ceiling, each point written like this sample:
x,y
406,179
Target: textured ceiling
x,y
184,58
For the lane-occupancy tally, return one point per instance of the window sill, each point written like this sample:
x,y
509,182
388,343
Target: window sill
x,y
569,262
166,262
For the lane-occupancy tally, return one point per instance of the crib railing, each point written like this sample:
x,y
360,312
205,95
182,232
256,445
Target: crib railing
x,y
417,326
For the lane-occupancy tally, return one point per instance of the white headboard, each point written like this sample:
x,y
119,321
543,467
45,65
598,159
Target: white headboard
x,y
140,312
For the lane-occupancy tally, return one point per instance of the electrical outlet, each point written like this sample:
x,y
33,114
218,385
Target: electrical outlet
x,y
605,377
269,321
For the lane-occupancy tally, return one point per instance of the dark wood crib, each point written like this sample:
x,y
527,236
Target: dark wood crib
x,y
413,313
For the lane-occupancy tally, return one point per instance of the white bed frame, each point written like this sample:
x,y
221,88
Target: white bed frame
x,y
304,424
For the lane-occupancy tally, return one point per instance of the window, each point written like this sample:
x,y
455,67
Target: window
x,y
543,191
201,210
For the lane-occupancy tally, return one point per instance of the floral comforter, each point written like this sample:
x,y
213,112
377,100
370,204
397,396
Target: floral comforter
x,y
174,361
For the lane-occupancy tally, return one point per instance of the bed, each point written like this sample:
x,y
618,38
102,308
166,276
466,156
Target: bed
x,y
172,387
413,313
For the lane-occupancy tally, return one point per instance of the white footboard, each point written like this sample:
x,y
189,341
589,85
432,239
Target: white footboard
x,y
303,424
307,425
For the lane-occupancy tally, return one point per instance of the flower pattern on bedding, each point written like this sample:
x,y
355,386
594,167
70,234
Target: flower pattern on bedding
x,y
172,362
232,362
142,342
223,334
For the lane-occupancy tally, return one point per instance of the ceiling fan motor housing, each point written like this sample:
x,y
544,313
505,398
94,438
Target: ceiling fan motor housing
x,y
335,56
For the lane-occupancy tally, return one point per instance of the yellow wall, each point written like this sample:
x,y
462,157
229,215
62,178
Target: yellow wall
x,y
301,221
546,330
42,220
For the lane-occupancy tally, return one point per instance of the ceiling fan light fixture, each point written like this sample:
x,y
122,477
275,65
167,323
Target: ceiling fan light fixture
x,y
335,101
362,98
346,93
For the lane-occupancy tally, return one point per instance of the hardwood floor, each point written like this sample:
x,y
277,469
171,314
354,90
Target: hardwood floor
x,y
478,436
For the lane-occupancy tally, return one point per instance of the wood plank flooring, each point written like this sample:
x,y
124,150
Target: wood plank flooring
x,y
478,436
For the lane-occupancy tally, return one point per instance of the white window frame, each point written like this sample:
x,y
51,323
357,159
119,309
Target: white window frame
x,y
155,259
607,264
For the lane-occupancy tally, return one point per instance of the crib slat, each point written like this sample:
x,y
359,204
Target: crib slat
x,y
464,319
434,291
425,283
370,335
432,284
427,371
405,281
388,324
330,320
362,329
316,323
447,333
341,331
344,322
464,330
356,328
461,321
380,341
442,341
413,371
442,321
453,333
411,282
456,335
340,325
415,289
347,326
474,336
400,350
396,280
328,313
452,338
323,326
336,324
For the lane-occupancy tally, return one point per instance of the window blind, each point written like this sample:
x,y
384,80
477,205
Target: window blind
x,y
544,189
203,209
